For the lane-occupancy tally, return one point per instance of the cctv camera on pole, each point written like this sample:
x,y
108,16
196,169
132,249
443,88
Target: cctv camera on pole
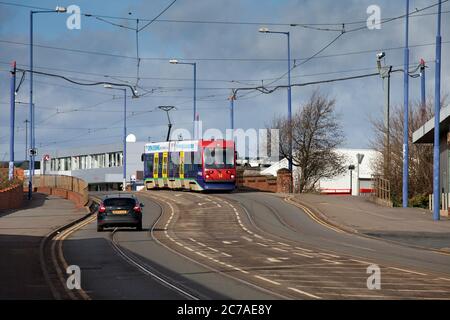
x,y
385,73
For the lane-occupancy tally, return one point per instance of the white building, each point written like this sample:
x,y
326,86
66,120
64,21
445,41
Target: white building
x,y
101,166
341,183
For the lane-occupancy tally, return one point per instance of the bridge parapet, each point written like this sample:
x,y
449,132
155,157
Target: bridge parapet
x,y
71,188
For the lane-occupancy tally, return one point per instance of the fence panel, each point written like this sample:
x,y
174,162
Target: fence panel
x,y
381,190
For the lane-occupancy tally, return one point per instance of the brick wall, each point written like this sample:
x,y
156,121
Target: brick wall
x,y
11,198
252,181
18,172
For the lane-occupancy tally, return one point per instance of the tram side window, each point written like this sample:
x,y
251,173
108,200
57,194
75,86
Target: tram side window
x,y
148,158
174,164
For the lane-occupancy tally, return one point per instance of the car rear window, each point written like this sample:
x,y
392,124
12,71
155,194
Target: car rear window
x,y
119,202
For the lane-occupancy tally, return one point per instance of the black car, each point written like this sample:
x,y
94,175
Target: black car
x,y
120,210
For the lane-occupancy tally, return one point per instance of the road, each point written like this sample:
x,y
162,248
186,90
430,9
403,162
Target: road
x,y
245,246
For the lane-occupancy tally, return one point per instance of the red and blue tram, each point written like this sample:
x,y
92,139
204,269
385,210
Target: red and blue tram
x,y
193,165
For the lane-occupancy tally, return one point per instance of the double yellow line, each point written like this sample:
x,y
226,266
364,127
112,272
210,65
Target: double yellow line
x,y
313,216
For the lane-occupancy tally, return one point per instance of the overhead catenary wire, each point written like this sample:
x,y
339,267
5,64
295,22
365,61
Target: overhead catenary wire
x,y
310,25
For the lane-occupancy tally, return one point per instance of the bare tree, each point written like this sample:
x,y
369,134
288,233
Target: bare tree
x,y
316,133
420,155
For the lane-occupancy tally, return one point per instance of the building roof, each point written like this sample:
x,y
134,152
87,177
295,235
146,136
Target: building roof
x,y
366,167
425,134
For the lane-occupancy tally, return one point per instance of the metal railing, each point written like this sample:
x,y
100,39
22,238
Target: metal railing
x,y
381,190
445,202
68,183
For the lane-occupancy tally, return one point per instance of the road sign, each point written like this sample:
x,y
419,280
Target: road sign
x,y
360,158
46,157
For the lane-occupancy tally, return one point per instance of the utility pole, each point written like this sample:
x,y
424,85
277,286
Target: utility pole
x,y
26,138
406,113
385,73
32,140
12,119
437,120
290,159
423,100
232,98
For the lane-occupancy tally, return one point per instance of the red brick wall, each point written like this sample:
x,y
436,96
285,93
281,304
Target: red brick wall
x,y
11,198
283,181
278,184
258,182
18,172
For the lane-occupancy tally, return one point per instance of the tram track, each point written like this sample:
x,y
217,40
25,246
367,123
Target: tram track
x,y
342,270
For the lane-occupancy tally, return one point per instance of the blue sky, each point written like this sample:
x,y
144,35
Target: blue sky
x,y
60,122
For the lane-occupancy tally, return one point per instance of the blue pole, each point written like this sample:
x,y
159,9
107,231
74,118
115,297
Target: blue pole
x,y
289,102
195,98
232,110
31,164
437,110
12,120
124,139
422,86
406,114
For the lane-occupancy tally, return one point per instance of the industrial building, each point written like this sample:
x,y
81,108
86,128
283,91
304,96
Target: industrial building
x,y
101,166
345,183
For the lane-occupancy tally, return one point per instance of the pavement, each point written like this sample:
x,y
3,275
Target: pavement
x,y
21,232
410,226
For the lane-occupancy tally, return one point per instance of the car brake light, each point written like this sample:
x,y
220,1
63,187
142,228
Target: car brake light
x,y
228,171
102,208
137,208
232,176
207,176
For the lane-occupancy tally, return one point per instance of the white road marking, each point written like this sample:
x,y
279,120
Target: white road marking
x,y
445,279
329,255
261,244
247,238
303,255
201,254
360,261
226,254
333,262
267,280
284,244
408,271
303,249
304,293
212,249
273,260
278,249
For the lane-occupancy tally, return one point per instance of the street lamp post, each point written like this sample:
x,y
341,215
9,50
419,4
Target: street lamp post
x,y
385,73
194,64
437,111
232,98
26,138
266,30
351,168
423,98
406,113
12,120
32,141
107,86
